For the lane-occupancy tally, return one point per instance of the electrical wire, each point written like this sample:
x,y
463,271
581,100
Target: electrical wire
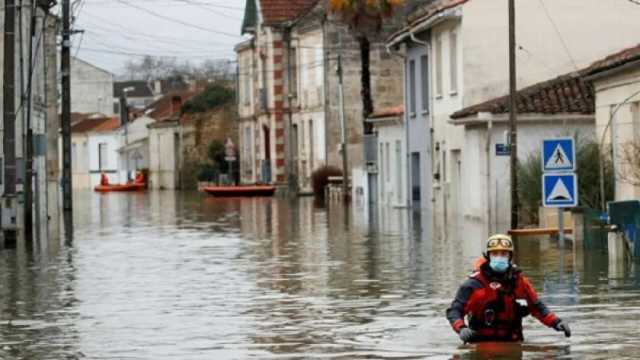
x,y
555,26
176,21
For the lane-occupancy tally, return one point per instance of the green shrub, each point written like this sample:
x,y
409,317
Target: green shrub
x,y
588,163
213,96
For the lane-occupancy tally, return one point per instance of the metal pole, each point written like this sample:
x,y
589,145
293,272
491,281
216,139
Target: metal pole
x,y
28,180
66,118
343,126
513,116
561,227
9,119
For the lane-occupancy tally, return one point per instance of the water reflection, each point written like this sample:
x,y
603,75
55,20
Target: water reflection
x,y
169,275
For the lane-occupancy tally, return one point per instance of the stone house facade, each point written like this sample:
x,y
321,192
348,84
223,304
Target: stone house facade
x,y
288,82
91,88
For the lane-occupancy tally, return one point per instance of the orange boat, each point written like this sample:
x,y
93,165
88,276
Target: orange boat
x,y
139,184
240,191
121,187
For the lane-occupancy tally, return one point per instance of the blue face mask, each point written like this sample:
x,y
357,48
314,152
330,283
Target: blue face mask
x,y
499,264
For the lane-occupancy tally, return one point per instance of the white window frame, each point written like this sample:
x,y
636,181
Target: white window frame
x,y
438,66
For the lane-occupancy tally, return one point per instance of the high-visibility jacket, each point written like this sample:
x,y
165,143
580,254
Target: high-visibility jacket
x,y
495,305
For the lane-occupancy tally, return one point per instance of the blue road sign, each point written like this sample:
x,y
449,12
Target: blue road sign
x,y
560,190
558,155
503,150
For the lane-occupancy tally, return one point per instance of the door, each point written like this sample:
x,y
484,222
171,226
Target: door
x,y
416,195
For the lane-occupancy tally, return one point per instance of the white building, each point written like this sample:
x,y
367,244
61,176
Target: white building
x,y
94,145
616,80
389,187
456,56
562,107
91,88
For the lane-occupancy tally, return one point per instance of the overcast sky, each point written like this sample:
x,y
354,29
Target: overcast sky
x,y
117,30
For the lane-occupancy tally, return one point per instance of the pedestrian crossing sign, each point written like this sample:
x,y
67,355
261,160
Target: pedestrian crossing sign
x,y
558,155
560,190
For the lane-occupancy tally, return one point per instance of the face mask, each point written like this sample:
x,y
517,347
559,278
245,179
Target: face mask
x,y
499,264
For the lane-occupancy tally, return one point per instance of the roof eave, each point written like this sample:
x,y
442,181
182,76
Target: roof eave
x,y
477,119
424,24
608,72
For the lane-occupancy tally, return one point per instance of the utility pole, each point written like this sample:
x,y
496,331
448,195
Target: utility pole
x,y
28,180
513,127
9,123
67,196
343,125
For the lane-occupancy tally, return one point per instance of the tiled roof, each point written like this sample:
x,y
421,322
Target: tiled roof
x,y
164,109
278,11
96,125
565,94
388,112
612,61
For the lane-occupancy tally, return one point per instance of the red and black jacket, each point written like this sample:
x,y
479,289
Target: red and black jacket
x,y
495,305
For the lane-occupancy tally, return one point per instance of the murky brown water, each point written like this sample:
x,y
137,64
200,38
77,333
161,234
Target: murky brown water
x,y
182,276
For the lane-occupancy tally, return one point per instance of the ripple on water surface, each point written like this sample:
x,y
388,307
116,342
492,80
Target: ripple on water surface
x,y
170,275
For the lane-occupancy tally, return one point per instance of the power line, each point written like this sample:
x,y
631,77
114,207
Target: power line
x,y
637,2
173,20
564,44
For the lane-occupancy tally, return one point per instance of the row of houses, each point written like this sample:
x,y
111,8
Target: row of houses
x,y
440,76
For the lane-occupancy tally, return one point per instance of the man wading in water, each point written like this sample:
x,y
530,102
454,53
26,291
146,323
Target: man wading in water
x,y
496,298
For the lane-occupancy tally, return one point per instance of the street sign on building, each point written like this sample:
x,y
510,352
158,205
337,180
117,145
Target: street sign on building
x,y
558,155
560,190
503,150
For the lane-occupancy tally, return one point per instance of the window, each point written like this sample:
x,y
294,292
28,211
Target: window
x,y
399,171
246,83
387,161
412,87
438,66
453,61
635,111
293,65
102,156
424,82
319,63
311,144
382,163
74,157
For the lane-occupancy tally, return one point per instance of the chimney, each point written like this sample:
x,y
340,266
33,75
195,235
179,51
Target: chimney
x,y
176,104
157,87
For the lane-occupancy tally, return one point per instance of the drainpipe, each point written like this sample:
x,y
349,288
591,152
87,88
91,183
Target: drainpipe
x,y
409,193
488,154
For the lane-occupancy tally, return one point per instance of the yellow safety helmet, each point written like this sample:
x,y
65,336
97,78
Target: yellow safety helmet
x,y
499,242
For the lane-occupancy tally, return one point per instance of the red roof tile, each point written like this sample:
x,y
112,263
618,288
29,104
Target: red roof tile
x,y
565,94
612,61
165,108
100,124
279,11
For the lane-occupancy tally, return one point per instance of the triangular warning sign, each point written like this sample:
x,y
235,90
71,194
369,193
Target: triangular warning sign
x,y
558,159
560,193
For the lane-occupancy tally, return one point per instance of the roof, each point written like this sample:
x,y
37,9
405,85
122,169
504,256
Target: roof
x,y
279,11
426,11
164,109
250,17
100,124
395,111
616,60
569,93
140,89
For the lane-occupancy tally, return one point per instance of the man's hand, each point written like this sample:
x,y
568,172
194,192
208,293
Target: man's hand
x,y
466,334
564,327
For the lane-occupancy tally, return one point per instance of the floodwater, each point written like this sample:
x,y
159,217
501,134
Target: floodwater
x,y
181,276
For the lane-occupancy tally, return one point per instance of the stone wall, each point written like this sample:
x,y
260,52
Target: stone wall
x,y
199,130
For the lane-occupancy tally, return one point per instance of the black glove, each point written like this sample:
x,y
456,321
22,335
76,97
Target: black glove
x,y
563,326
466,334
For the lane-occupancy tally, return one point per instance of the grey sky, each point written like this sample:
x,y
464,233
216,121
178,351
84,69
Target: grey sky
x,y
117,30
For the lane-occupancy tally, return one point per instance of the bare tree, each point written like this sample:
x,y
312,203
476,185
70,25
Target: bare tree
x,y
629,171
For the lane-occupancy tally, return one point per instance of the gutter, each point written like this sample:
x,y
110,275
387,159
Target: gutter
x,y
483,118
447,14
633,65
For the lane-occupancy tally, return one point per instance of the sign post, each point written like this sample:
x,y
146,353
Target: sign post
x,y
559,180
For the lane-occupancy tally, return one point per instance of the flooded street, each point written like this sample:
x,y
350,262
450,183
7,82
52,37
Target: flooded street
x,y
169,275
